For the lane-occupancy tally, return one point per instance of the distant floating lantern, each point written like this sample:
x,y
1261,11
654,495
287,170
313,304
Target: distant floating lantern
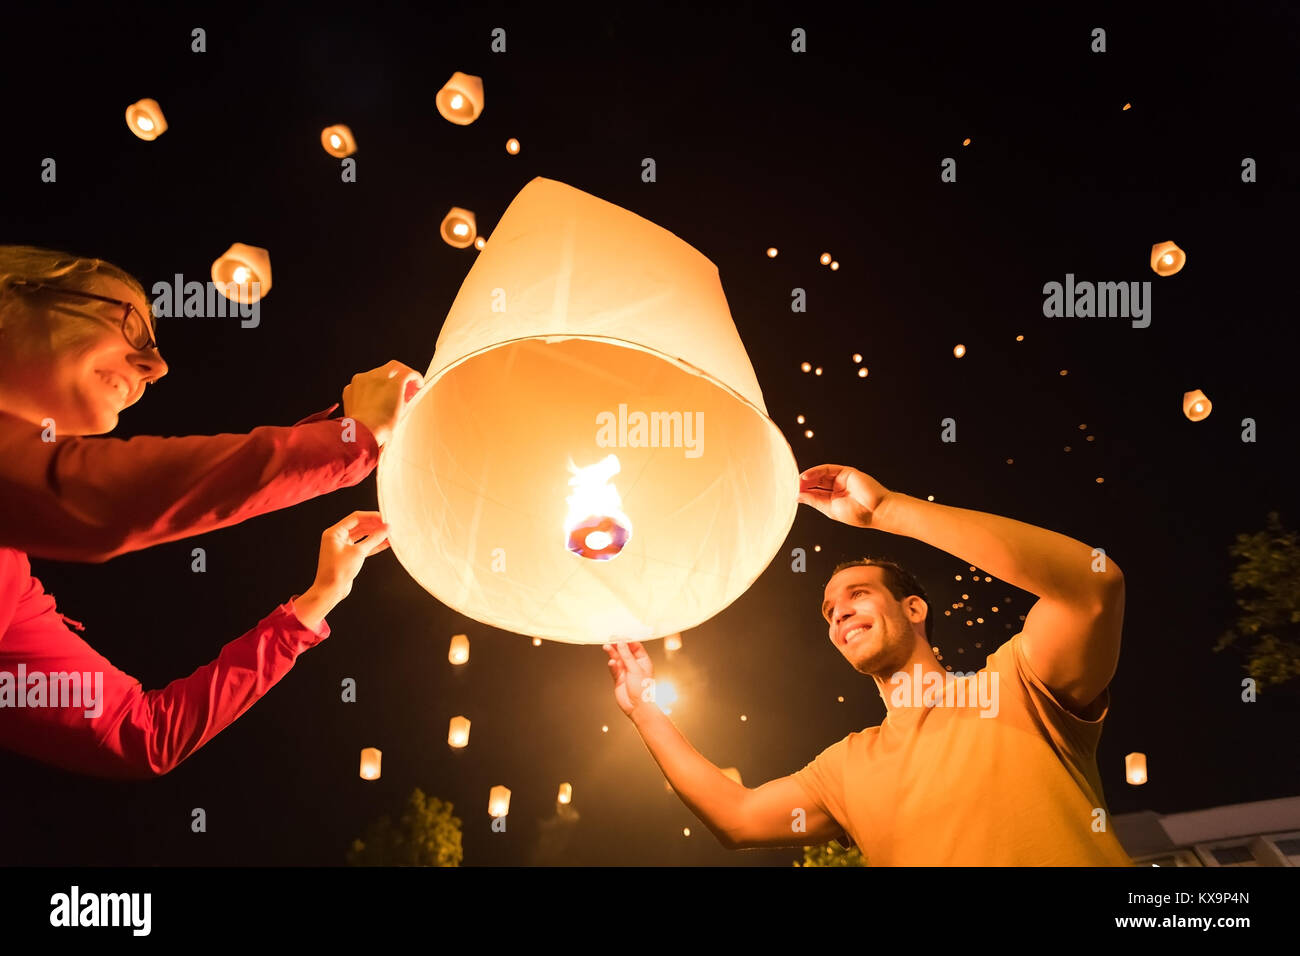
x,y
1128,105
686,831
1167,258
806,366
458,732
835,266
862,373
1196,406
808,433
145,118
959,350
338,141
771,252
857,357
459,228
602,304
370,758
537,642
732,773
817,547
498,801
799,419
458,653
1020,338
512,146
673,642
665,695
1135,768
243,273
966,141
826,258
460,101
566,794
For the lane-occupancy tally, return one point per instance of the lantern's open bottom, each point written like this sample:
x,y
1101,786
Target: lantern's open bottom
x,y
474,484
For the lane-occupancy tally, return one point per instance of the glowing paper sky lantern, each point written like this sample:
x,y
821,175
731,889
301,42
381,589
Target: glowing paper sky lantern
x,y
145,119
673,642
370,759
459,228
585,332
1196,406
1167,258
565,794
338,141
243,273
1135,768
458,732
461,99
498,801
458,653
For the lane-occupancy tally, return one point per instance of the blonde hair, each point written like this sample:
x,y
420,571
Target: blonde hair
x,y
34,264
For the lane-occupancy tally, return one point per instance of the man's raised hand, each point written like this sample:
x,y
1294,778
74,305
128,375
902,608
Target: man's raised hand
x,y
633,674
842,493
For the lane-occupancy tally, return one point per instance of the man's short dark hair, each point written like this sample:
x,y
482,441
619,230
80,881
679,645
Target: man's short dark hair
x,y
899,582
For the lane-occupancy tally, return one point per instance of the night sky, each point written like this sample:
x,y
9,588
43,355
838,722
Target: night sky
x,y
837,149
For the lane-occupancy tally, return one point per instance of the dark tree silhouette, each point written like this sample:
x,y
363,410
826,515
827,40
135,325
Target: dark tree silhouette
x,y
1267,582
426,834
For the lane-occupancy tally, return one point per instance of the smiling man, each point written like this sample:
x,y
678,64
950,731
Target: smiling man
x,y
997,768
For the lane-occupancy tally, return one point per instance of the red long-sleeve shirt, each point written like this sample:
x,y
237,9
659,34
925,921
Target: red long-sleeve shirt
x,y
90,499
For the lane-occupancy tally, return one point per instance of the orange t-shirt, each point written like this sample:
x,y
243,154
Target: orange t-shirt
x,y
942,785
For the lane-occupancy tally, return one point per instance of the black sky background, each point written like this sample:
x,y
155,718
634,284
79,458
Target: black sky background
x,y
837,149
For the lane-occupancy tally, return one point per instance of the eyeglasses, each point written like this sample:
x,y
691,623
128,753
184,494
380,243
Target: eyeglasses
x,y
135,328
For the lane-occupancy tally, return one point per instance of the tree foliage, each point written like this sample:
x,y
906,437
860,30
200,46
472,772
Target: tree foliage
x,y
426,834
831,854
1267,582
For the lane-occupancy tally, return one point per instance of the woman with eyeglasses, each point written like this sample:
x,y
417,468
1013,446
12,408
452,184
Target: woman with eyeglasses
x,y
77,347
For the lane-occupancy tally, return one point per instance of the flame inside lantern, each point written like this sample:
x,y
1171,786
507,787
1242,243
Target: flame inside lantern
x,y
596,526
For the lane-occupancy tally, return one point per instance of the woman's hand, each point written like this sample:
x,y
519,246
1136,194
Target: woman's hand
x,y
842,493
344,548
634,682
377,398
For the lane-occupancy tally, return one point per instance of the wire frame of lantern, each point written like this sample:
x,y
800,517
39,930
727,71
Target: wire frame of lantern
x,y
498,801
1135,768
243,273
338,140
458,732
145,119
458,652
1167,258
460,100
459,228
1196,406
370,761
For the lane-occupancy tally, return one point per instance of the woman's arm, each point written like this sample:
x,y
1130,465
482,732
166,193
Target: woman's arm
x,y
95,719
91,499
81,713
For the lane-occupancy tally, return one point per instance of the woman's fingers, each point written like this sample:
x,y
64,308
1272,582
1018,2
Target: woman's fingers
x,y
376,542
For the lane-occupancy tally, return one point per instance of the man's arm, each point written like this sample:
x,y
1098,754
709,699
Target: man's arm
x,y
738,816
741,818
1071,636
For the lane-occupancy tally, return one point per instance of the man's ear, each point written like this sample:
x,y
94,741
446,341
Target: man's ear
x,y
916,608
